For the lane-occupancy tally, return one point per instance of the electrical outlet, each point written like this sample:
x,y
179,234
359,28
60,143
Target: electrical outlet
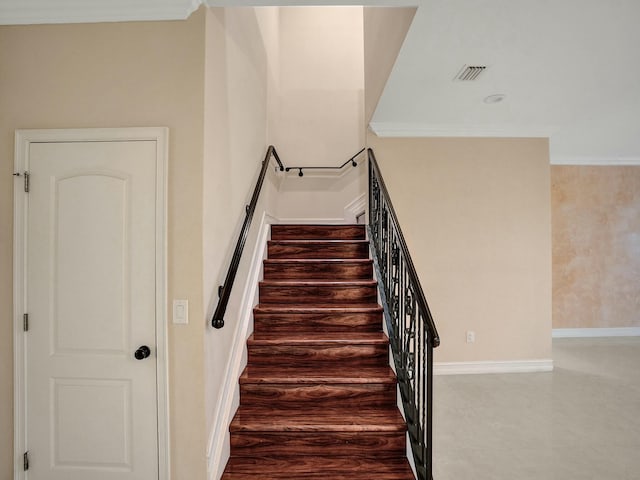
x,y
471,336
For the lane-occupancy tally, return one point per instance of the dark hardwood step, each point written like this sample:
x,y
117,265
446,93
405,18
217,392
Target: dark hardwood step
x,y
318,269
318,466
356,291
328,318
330,249
325,387
331,374
318,232
340,420
345,444
318,397
317,338
300,349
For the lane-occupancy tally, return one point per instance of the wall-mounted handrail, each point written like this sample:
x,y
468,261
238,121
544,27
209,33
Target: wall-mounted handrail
x,y
352,160
412,330
224,291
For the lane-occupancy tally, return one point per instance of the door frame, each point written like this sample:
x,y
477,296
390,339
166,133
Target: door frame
x,y
23,140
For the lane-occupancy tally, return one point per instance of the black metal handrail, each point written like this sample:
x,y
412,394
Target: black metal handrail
x,y
412,331
224,290
352,160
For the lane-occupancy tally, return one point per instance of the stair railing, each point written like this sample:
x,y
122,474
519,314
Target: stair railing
x,y
412,331
224,290
352,161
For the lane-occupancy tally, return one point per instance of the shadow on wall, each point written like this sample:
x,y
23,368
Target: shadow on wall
x,y
323,196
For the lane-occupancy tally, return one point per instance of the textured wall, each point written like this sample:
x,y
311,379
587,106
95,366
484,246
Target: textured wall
x,y
596,246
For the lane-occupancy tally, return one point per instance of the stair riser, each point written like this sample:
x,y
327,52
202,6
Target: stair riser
x,y
318,396
318,250
321,474
331,322
311,443
318,294
317,271
319,467
303,355
316,232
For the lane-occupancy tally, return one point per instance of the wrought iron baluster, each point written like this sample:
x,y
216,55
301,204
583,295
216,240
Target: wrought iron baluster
x,y
411,328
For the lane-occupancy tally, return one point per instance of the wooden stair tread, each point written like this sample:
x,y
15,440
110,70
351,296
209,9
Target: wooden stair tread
x,y
318,398
318,231
303,466
317,283
317,338
316,308
266,419
314,261
260,374
320,241
318,268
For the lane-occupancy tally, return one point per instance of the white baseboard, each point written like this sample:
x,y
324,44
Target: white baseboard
x,y
219,434
515,366
603,161
310,221
355,208
595,332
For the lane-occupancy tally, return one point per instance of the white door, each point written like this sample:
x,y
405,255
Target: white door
x,y
91,406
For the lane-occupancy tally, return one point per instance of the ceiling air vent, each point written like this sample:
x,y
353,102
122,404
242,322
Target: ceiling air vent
x,y
469,73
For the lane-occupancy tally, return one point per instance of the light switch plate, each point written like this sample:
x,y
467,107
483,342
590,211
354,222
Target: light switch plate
x,y
181,312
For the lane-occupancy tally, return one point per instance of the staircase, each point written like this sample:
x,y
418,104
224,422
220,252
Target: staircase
x,y
318,398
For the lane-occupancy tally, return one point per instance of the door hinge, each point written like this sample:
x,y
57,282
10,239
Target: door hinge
x,y
25,322
25,461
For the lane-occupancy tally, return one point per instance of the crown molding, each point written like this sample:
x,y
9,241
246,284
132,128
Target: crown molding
x,y
392,129
603,161
18,12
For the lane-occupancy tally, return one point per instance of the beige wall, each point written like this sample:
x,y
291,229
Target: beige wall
x,y
236,104
316,115
322,197
476,217
384,31
235,131
319,105
117,75
596,246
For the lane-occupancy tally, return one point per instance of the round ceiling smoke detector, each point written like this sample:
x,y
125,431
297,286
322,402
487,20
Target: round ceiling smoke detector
x,y
497,98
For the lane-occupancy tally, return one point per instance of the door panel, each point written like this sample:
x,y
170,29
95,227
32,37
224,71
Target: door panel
x,y
77,401
91,253
89,248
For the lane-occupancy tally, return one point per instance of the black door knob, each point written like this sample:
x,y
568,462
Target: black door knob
x,y
142,352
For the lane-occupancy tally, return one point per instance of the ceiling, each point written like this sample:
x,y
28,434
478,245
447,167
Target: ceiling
x,y
569,69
